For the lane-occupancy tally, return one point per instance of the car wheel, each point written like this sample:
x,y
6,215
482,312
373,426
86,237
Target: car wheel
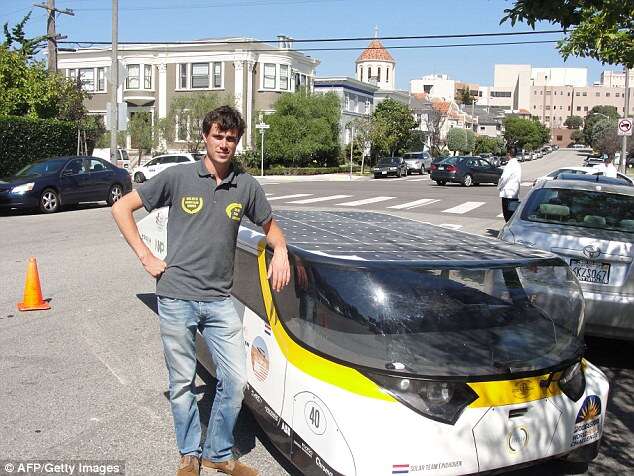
x,y
49,201
441,182
422,170
467,181
139,177
115,193
376,176
398,173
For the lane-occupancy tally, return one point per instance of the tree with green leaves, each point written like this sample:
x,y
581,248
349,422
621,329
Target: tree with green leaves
x,y
393,124
598,29
577,136
463,96
604,138
27,89
15,39
304,130
141,132
525,134
489,145
470,142
185,116
573,122
597,114
456,139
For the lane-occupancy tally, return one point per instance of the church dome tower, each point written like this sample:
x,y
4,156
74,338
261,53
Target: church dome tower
x,y
375,65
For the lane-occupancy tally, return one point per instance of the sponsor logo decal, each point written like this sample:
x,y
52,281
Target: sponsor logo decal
x,y
192,205
591,251
160,219
588,422
234,211
260,359
522,388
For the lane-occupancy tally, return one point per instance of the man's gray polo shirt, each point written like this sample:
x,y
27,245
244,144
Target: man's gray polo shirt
x,y
202,227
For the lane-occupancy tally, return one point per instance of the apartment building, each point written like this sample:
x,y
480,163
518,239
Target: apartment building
x,y
553,104
253,74
356,97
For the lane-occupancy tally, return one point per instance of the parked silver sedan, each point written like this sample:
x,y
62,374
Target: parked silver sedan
x,y
591,226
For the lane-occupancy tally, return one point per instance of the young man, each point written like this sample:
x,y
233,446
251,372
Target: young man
x,y
207,201
509,184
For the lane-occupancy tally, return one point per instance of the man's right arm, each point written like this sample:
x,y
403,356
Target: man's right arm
x,y
122,212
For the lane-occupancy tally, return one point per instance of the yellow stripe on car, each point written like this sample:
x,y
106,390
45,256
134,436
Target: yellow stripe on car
x,y
325,370
509,392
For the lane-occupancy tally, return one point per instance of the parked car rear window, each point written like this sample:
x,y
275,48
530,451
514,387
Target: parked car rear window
x,y
582,208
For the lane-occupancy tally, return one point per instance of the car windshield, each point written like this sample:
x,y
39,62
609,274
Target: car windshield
x,y
450,161
581,208
454,322
388,161
41,168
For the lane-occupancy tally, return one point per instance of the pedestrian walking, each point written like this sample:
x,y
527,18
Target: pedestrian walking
x,y
207,201
509,184
607,168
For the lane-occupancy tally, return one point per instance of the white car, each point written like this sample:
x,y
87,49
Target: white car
x,y
576,170
159,163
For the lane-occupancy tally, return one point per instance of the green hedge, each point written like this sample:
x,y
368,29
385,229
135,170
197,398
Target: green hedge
x,y
304,170
24,140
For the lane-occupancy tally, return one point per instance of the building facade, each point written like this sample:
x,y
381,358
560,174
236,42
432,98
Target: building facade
x,y
252,74
356,97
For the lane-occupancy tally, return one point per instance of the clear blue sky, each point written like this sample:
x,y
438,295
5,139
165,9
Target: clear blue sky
x,y
158,20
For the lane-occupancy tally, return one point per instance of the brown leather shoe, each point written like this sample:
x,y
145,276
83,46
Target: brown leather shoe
x,y
190,466
232,467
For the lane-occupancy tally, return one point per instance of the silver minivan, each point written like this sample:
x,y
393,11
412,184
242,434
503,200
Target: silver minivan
x,y
590,224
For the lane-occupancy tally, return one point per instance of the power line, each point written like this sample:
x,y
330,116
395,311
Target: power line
x,y
356,48
215,5
326,40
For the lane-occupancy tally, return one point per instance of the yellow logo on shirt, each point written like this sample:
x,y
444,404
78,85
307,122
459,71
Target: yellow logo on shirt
x,y
192,205
234,211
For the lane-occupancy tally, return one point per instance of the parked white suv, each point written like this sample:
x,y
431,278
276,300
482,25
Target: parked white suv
x,y
161,162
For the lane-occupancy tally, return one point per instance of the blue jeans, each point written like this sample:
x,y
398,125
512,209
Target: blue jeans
x,y
221,328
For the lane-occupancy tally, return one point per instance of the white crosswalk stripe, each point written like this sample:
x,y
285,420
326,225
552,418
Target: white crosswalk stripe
x,y
464,208
526,184
320,199
418,180
295,195
501,215
269,194
365,202
415,203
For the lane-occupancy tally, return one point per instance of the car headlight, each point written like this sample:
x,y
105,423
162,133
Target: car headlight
x,y
440,401
25,187
573,382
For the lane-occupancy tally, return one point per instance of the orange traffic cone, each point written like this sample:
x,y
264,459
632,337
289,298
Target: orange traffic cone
x,y
32,300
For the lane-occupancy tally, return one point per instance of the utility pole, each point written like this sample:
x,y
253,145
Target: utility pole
x,y
51,34
114,84
626,113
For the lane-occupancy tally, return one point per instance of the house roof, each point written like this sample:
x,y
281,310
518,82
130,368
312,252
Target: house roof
x,y
375,52
441,106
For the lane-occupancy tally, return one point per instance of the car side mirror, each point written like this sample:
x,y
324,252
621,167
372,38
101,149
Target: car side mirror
x,y
513,205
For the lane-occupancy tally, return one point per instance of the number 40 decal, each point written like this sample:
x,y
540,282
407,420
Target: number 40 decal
x,y
315,418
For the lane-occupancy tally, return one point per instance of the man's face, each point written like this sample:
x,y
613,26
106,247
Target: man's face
x,y
221,145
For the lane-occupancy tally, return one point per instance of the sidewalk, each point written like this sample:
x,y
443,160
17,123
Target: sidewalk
x,y
310,178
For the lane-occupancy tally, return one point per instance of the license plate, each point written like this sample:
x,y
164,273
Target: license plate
x,y
384,172
591,271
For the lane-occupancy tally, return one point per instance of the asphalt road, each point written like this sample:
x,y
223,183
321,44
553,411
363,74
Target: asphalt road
x,y
86,379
